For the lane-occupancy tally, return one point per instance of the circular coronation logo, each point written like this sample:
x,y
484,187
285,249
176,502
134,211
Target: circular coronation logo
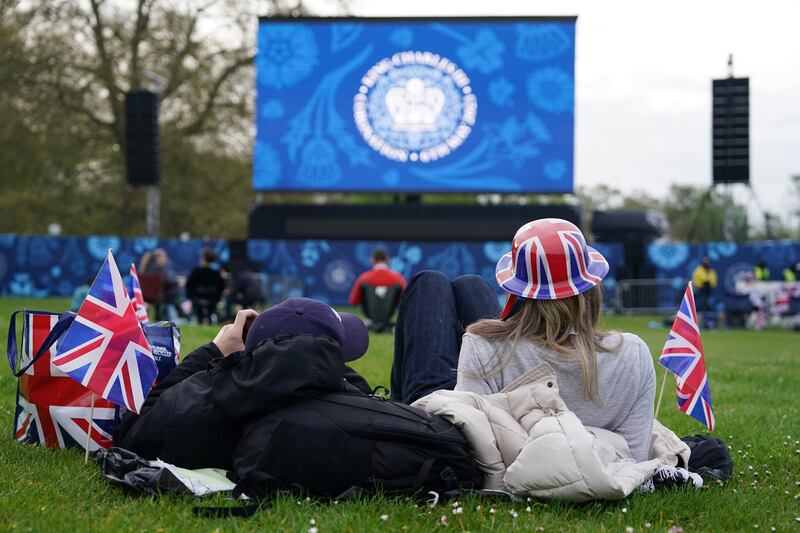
x,y
415,106
338,275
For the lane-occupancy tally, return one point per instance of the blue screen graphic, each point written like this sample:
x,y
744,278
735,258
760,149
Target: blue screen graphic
x,y
446,105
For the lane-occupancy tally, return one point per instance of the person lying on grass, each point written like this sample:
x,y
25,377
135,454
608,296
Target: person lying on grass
x,y
552,315
180,421
452,336
282,411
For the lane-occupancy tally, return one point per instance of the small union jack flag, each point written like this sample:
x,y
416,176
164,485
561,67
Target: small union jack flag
x,y
683,356
105,348
137,297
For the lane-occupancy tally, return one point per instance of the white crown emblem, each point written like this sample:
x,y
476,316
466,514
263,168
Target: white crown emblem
x,y
414,107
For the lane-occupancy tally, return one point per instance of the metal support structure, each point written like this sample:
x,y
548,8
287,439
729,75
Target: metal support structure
x,y
153,211
767,216
696,217
728,228
728,224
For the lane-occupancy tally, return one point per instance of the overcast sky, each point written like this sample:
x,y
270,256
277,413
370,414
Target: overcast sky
x,y
643,84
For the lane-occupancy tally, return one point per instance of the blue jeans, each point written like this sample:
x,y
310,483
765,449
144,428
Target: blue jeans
x,y
431,319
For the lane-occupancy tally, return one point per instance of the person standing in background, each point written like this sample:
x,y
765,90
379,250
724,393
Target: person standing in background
x,y
790,274
761,271
704,279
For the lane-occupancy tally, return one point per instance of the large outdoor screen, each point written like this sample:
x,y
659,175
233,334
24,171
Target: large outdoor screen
x,y
415,105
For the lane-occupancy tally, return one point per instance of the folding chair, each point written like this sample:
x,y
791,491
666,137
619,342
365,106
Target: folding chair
x,y
152,286
379,304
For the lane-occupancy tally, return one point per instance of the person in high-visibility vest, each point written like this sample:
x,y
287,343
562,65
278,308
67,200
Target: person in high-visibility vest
x,y
761,271
704,279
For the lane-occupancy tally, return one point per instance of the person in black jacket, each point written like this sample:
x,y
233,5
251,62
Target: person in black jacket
x,y
294,350
204,287
283,411
246,287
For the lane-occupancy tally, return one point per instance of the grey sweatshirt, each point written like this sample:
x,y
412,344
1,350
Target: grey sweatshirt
x,y
626,383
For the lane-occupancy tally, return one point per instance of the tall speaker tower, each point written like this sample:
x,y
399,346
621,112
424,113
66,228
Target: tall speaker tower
x,y
731,129
142,150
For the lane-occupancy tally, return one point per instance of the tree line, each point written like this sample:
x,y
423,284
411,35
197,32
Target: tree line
x,y
67,64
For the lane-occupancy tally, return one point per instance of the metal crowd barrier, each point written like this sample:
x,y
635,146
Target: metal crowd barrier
x,y
647,296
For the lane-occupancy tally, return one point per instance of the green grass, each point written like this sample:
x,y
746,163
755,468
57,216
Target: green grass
x,y
755,378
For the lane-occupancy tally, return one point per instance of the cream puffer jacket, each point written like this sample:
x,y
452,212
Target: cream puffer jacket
x,y
527,441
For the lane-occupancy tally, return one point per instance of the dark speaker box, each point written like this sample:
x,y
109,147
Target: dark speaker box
x,y
730,144
141,138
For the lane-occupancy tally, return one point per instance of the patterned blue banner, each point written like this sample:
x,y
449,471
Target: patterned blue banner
x,y
415,105
42,266
326,269
48,266
676,262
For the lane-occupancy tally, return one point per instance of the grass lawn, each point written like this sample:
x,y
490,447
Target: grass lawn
x,y
755,379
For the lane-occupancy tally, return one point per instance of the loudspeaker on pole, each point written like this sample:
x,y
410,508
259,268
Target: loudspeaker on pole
x,y
141,138
731,130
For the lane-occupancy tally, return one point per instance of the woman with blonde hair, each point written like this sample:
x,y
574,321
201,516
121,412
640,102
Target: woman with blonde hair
x,y
552,316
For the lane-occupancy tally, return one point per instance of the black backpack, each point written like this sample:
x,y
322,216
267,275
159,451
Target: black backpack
x,y
709,457
337,444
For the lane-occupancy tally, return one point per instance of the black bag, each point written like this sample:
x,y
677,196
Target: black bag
x,y
338,444
126,469
710,457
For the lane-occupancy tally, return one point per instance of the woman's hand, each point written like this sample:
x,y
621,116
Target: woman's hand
x,y
229,339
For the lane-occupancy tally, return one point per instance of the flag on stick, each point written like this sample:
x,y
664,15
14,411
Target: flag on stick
x,y
105,348
137,297
683,356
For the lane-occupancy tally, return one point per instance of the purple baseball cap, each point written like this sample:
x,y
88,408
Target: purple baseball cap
x,y
304,315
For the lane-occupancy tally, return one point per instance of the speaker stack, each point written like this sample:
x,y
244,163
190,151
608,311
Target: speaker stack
x,y
731,130
141,137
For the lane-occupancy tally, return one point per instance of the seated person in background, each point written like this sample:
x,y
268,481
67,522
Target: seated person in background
x,y
204,287
245,288
79,295
156,262
378,283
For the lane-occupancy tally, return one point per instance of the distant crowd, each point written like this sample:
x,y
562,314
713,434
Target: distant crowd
x,y
770,300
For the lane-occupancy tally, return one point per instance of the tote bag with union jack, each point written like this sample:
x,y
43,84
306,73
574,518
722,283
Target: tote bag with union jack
x,y
53,409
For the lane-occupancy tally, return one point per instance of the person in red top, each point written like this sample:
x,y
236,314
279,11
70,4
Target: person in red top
x,y
380,276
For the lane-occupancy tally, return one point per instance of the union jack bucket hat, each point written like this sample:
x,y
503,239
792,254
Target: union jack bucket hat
x,y
549,260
